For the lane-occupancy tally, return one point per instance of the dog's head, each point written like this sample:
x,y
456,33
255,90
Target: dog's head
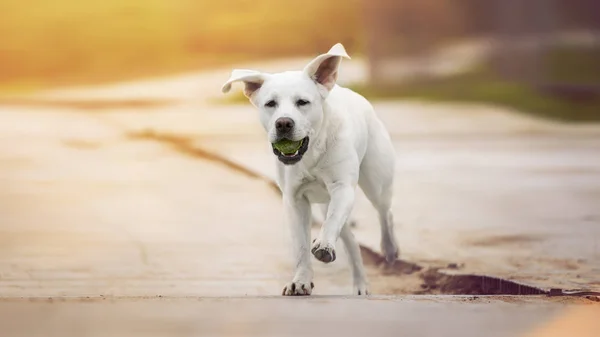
x,y
291,103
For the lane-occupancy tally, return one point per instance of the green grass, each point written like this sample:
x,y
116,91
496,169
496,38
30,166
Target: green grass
x,y
573,65
562,65
480,86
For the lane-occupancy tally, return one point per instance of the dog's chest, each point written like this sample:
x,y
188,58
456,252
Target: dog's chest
x,y
314,190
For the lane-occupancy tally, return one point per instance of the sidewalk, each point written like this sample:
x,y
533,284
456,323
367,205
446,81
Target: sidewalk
x,y
317,316
501,193
88,209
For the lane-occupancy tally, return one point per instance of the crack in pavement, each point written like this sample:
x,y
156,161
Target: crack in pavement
x,y
185,145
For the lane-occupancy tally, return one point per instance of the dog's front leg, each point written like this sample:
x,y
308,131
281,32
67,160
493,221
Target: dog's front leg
x,y
298,214
340,206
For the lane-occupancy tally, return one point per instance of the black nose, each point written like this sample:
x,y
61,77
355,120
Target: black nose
x,y
284,125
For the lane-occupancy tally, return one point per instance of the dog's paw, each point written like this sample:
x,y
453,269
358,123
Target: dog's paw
x,y
323,252
361,290
298,289
390,251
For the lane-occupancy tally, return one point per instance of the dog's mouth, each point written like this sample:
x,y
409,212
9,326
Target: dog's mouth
x,y
290,158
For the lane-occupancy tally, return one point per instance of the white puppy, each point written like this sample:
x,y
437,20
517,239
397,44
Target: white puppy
x,y
343,143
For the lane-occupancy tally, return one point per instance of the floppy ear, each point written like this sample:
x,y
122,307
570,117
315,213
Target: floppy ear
x,y
252,79
324,68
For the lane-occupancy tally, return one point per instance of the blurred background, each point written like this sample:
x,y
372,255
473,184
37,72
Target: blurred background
x,y
125,172
539,55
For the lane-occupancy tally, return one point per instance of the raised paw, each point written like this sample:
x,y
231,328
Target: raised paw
x,y
323,252
298,289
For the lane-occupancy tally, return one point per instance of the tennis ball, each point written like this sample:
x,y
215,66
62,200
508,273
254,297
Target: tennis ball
x,y
287,146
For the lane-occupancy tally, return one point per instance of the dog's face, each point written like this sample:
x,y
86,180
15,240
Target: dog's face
x,y
291,107
291,103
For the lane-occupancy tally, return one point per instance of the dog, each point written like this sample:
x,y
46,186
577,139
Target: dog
x,y
343,144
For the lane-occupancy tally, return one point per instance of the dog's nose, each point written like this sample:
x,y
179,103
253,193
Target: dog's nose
x,y
284,125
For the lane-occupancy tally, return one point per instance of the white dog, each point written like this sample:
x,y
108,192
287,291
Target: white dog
x,y
342,143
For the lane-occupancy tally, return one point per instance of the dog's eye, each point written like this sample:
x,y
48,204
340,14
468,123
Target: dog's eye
x,y
271,104
302,102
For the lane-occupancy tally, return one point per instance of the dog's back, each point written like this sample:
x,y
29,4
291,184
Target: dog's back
x,y
354,112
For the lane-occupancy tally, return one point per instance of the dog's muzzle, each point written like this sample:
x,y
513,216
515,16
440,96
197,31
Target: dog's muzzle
x,y
292,159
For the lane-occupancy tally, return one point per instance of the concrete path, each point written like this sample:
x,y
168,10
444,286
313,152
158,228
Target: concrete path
x,y
317,316
87,210
489,188
505,195
90,207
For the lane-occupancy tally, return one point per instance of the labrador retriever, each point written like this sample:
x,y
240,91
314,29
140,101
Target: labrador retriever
x,y
334,142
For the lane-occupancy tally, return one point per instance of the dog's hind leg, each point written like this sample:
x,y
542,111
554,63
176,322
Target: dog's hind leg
x,y
376,180
359,278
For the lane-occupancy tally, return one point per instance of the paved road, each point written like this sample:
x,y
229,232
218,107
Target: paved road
x,y
87,208
320,316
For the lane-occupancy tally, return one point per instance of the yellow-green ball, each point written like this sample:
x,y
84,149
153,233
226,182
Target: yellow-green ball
x,y
287,146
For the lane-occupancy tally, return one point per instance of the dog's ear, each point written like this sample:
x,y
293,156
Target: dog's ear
x,y
323,69
252,79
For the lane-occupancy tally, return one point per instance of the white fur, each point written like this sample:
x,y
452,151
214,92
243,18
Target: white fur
x,y
348,146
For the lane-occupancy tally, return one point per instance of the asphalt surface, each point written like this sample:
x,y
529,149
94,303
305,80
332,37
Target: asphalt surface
x,y
109,193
